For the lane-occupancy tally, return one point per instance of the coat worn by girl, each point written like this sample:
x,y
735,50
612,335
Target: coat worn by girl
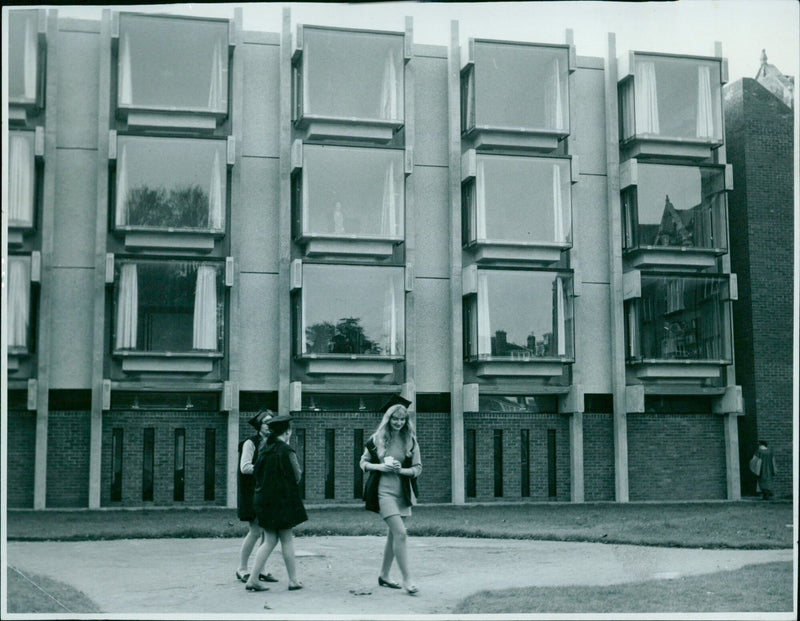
x,y
277,495
409,484
246,483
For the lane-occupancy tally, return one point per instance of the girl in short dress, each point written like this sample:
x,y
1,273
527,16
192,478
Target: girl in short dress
x,y
392,459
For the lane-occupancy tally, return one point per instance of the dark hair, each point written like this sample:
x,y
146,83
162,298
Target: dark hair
x,y
278,428
761,442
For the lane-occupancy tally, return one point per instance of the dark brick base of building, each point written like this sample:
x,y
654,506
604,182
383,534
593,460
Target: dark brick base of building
x,y
21,442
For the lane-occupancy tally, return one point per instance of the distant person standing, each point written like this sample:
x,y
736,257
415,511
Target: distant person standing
x,y
246,483
764,467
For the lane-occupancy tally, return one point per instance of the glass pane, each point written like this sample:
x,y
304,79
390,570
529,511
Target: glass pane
x,y
524,314
683,318
678,98
353,74
170,183
173,63
518,403
353,310
521,86
175,306
23,52
353,191
680,206
523,199
19,303
21,179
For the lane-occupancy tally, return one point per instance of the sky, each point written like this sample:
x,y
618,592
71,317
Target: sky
x,y
743,27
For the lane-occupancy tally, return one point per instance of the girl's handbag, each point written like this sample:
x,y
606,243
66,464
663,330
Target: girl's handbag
x,y
755,465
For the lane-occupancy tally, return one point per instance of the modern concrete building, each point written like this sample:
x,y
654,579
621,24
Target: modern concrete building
x,y
759,134
529,244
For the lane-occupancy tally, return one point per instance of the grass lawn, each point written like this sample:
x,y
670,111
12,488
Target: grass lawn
x,y
39,594
754,588
744,525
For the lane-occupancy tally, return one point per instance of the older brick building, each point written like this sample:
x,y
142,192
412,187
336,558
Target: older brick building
x,y
528,243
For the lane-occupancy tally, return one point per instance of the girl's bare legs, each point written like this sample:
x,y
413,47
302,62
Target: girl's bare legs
x,y
248,544
388,557
264,550
287,549
399,537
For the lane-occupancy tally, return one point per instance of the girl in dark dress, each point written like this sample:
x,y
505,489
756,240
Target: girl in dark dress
x,y
277,501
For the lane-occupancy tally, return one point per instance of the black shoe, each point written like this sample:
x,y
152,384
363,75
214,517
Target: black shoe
x,y
387,583
256,587
242,577
267,578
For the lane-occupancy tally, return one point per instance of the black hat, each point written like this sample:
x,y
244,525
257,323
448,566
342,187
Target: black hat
x,y
394,400
258,419
282,418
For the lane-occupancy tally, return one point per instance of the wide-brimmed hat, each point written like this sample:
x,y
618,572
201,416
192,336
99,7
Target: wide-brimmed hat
x,y
259,418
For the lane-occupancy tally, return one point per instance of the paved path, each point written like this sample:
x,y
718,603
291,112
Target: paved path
x,y
185,576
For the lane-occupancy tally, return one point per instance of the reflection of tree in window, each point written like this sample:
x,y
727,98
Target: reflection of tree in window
x,y
346,337
181,207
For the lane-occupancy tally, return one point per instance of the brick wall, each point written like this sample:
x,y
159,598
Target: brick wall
x,y
598,457
484,424
760,147
676,457
20,465
68,459
164,423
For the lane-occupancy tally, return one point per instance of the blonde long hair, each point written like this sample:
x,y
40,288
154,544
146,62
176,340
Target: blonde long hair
x,y
383,434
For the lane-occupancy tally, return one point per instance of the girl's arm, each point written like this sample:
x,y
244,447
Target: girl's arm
x,y
246,464
298,471
416,464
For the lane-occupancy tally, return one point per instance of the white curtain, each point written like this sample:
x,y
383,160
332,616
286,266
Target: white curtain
x,y
390,320
215,197
484,321
470,110
30,60
389,97
646,98
560,319
389,204
705,110
125,78
20,191
216,90
18,301
633,329
554,111
120,216
558,210
127,307
480,202
204,333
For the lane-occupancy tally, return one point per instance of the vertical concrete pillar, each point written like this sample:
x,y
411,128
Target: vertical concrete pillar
x,y
576,456
732,456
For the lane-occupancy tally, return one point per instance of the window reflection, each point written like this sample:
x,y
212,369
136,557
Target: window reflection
x,y
352,192
353,310
173,63
676,206
352,74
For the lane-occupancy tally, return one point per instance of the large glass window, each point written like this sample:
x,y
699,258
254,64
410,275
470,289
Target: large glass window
x,y
352,309
19,304
351,74
168,306
519,199
351,192
520,315
679,318
672,98
515,86
21,179
169,63
676,206
170,183
23,56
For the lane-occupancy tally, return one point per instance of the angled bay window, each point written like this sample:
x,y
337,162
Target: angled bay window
x,y
21,180
175,185
679,319
350,193
669,99
352,312
518,316
349,83
674,214
25,60
172,65
168,309
517,208
18,328
516,94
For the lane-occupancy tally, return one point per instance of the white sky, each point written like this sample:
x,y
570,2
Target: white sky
x,y
744,27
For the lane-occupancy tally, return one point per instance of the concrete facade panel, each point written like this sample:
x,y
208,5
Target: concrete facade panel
x,y
432,329
75,208
593,338
430,105
78,89
71,333
258,306
260,126
254,229
590,228
431,220
588,125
